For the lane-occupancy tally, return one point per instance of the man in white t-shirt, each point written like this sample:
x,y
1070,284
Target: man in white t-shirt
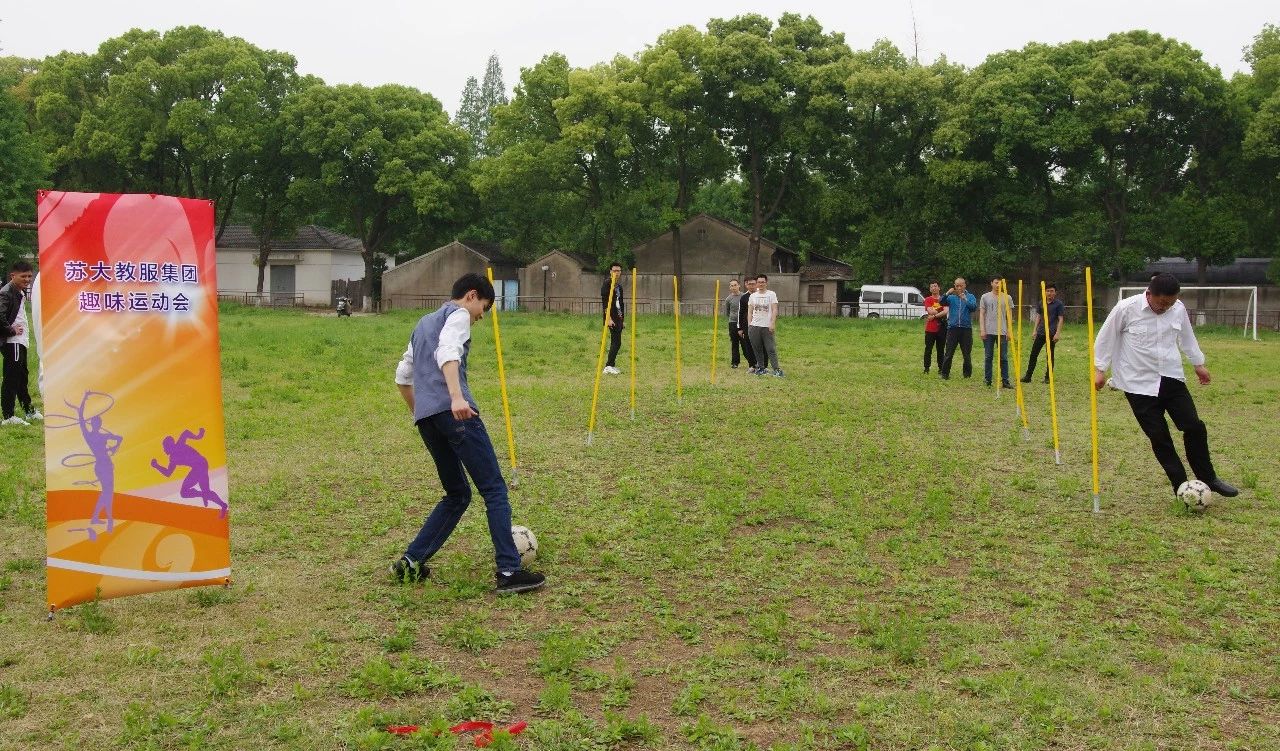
x,y
15,337
763,312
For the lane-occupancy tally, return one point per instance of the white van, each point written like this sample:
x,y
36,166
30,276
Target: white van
x,y
888,301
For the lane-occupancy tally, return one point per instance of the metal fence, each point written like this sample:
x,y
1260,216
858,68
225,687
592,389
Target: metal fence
x,y
591,305
263,299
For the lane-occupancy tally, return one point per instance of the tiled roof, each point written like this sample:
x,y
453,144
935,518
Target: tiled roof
x,y
308,237
822,268
492,251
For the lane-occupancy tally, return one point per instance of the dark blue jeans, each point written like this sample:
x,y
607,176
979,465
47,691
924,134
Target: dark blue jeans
x,y
989,344
459,448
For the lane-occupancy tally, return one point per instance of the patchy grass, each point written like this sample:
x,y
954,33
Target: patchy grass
x,y
856,556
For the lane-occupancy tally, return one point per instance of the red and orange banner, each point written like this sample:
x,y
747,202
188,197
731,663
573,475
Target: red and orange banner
x,y
135,449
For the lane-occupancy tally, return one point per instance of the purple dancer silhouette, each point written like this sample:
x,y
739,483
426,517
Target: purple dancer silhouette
x,y
103,444
196,483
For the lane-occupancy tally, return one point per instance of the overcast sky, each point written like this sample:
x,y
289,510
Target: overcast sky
x,y
436,46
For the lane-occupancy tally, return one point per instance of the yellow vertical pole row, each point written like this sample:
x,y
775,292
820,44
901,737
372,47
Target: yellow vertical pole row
x,y
715,329
502,385
1053,399
634,311
999,366
604,335
1093,392
675,288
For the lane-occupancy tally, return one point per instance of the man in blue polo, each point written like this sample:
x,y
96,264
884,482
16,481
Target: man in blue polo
x,y
960,305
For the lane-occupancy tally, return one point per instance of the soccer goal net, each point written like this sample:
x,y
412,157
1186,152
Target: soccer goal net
x,y
1226,306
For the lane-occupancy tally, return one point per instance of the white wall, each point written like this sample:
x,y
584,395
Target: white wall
x,y
313,275
236,271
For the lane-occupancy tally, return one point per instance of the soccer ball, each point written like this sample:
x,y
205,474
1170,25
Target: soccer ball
x,y
526,544
1195,494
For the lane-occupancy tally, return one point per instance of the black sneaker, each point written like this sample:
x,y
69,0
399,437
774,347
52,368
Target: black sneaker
x,y
407,571
1026,379
520,581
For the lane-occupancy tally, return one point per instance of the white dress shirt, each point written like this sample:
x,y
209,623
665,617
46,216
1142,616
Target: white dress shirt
x,y
453,340
1140,346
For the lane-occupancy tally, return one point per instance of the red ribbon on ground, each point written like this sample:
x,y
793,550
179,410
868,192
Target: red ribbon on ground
x,y
483,739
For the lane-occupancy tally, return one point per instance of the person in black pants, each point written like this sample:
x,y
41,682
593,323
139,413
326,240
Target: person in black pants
x,y
960,305
14,338
743,317
1057,315
1142,342
935,326
731,305
614,315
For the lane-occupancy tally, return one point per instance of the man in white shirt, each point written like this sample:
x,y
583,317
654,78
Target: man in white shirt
x,y
764,320
1142,342
15,337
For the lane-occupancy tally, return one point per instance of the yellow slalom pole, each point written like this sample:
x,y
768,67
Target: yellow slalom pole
x,y
1093,392
675,287
604,335
715,324
633,342
502,384
1053,399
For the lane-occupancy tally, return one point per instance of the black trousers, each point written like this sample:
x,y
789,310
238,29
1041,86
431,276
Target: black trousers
x,y
738,343
615,344
931,339
961,336
1037,344
1174,399
747,351
14,386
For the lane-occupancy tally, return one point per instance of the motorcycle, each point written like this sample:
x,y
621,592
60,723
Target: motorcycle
x,y
344,307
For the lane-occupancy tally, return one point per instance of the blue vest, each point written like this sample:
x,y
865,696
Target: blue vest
x,y
430,392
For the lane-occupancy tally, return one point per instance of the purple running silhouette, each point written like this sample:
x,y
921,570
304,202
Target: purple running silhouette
x,y
196,483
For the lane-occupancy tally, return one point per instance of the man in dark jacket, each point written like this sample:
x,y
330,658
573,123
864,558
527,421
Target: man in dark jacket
x,y
743,316
614,314
15,336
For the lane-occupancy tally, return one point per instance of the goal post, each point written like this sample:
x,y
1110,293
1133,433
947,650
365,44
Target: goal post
x,y
1250,306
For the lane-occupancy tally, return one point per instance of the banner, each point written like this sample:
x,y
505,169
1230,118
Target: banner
x,y
135,452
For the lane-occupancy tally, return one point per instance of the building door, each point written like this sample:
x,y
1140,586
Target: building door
x,y
283,284
510,294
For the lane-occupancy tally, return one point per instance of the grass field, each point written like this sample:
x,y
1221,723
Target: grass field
x,y
855,556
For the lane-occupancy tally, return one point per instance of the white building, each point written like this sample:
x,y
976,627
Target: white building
x,y
300,270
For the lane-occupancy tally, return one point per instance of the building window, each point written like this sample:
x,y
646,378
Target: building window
x,y
816,292
702,235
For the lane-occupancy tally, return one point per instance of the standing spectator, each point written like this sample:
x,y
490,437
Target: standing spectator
x,y
935,325
764,321
995,332
732,304
1057,315
16,338
960,306
1142,342
744,308
614,315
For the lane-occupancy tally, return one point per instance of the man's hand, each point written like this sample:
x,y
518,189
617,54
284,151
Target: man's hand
x,y
1055,337
461,408
773,328
18,329
406,393
1203,374
611,324
1099,379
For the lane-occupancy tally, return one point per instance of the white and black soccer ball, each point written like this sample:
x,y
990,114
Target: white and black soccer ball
x,y
526,544
1195,494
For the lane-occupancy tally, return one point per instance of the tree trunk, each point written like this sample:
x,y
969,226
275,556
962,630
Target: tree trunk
x,y
1202,278
1037,255
757,219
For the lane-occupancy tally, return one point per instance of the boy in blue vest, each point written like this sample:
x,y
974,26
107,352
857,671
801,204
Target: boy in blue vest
x,y
432,378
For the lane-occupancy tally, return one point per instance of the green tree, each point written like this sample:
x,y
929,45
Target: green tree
x,y
383,163
179,112
22,174
471,116
1258,97
1013,148
1148,102
686,150
773,97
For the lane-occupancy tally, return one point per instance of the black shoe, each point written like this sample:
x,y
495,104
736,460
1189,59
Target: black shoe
x,y
1026,379
945,377
520,581
1005,385
1222,488
1046,379
407,571
926,371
